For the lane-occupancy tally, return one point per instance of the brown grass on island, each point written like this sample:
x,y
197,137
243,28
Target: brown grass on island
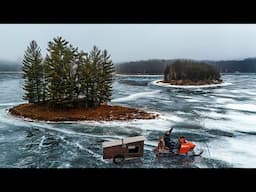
x,y
101,113
189,82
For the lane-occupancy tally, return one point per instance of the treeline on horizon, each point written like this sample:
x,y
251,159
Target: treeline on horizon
x,y
157,66
10,66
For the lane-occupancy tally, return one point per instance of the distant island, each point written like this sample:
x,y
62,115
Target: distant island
x,y
157,66
188,72
70,85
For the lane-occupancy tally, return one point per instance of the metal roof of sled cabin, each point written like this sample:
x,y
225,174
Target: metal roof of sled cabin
x,y
125,140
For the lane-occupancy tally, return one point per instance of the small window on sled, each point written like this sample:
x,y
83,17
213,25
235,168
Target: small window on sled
x,y
133,149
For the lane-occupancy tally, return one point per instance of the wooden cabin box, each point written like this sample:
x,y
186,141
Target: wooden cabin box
x,y
127,148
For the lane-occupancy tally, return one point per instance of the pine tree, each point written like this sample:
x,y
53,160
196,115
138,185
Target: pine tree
x,y
44,90
99,74
106,78
33,73
70,68
85,79
80,59
95,77
59,71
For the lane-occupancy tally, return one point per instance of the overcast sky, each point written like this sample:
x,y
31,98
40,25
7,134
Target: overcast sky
x,y
130,42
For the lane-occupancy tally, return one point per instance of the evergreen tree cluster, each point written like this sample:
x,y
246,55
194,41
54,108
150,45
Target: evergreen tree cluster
x,y
67,77
190,70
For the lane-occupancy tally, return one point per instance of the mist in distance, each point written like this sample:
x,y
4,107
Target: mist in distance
x,y
133,42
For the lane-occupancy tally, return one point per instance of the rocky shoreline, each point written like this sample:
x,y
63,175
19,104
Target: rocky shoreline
x,y
101,113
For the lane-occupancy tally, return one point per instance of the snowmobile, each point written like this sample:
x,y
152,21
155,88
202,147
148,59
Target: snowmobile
x,y
185,148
